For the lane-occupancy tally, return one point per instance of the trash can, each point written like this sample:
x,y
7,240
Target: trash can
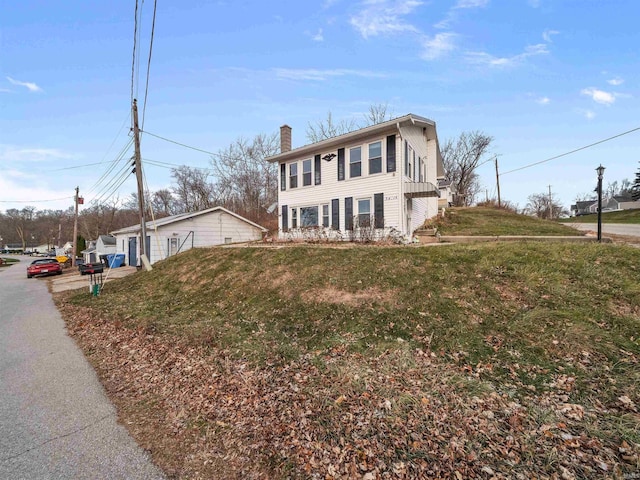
x,y
115,260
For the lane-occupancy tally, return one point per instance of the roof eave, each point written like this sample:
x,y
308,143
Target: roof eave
x,y
323,145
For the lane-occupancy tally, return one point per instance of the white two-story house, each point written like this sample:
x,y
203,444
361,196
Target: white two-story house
x,y
382,178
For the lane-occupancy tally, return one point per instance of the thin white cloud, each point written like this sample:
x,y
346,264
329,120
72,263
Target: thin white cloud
x,y
471,4
460,5
543,100
439,45
534,3
384,17
615,81
323,75
32,87
599,96
15,155
483,58
318,37
547,34
588,114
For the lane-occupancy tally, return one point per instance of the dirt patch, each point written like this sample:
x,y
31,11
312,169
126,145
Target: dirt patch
x,y
353,299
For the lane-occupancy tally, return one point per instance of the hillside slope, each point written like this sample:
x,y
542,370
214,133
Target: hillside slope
x,y
495,221
374,362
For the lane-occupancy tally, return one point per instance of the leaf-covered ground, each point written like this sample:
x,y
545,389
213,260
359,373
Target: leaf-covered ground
x,y
492,361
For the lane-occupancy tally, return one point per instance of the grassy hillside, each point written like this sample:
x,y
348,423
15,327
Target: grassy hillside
x,y
624,216
494,221
410,362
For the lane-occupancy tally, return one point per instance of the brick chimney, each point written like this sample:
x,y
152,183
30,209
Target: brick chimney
x,y
285,138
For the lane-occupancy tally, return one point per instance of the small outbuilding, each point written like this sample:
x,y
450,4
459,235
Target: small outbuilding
x,y
104,245
177,233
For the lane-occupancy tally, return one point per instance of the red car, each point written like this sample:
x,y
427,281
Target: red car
x,y
44,266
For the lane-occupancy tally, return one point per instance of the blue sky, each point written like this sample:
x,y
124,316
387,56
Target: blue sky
x,y
541,76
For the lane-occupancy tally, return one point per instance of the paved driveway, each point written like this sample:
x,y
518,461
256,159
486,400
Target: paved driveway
x,y
55,419
612,228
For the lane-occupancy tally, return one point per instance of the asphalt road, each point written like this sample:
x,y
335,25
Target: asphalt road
x,y
612,228
55,419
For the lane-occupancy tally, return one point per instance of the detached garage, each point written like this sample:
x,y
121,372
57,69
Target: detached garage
x,y
171,235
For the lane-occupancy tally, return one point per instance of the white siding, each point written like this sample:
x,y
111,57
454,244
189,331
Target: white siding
x,y
205,230
399,213
330,188
421,208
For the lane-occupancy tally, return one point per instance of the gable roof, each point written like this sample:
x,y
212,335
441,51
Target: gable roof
x,y
354,135
108,239
151,225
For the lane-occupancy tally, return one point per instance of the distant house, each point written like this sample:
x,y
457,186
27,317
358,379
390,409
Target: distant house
x,y
382,178
446,193
171,235
105,245
620,202
584,207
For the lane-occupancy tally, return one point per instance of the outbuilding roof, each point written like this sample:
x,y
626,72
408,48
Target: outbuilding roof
x,y
154,225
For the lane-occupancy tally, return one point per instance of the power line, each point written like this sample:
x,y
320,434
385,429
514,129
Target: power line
x,y
146,88
178,143
35,201
158,163
572,151
114,162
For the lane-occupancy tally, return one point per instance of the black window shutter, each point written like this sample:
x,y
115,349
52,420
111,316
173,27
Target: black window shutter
x,y
335,214
348,213
378,210
285,218
341,164
283,176
316,161
391,153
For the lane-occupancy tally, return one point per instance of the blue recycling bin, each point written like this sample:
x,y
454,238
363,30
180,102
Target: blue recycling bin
x,y
115,260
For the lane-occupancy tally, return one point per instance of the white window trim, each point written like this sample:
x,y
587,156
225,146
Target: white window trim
x,y
382,146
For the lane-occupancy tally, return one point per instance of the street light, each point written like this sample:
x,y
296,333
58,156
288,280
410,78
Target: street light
x,y
600,171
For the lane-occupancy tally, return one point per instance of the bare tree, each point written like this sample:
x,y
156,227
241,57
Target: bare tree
x,y
461,158
21,222
193,189
542,206
163,203
247,182
378,113
326,128
100,219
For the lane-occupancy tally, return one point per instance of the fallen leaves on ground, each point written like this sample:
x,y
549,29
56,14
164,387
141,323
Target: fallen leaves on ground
x,y
339,415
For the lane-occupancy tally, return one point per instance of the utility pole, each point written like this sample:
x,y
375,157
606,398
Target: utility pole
x,y
75,230
138,170
498,181
550,204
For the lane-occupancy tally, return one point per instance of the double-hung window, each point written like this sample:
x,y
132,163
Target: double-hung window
x,y
294,218
355,162
306,173
325,215
375,157
293,175
364,212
